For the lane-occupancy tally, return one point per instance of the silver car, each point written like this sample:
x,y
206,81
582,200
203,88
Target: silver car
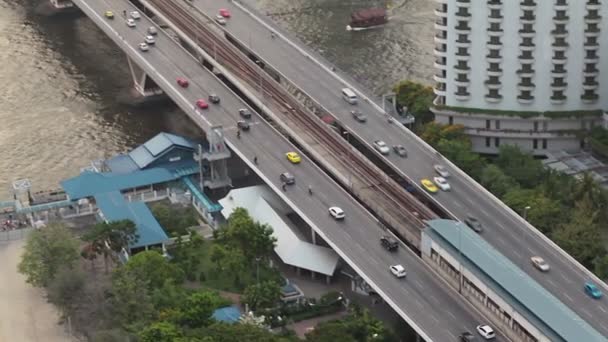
x,y
381,147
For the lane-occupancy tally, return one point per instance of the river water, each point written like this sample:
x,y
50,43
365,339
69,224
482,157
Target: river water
x,y
63,82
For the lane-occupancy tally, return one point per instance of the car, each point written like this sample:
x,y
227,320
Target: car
x,y
337,213
467,337
381,147
389,243
473,223
213,98
243,125
143,46
182,82
109,14
220,20
398,271
131,22
592,291
540,263
486,331
224,13
429,185
293,157
400,150
245,113
358,115
202,104
152,30
287,178
150,40
441,170
442,183
135,15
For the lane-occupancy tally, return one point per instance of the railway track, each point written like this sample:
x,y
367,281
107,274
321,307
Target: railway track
x,y
390,196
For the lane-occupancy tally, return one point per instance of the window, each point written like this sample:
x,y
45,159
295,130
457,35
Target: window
x,y
497,124
535,126
487,124
497,142
535,144
487,141
451,120
544,144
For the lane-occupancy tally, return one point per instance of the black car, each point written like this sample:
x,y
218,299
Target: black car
x,y
214,98
389,243
473,223
287,178
243,125
245,113
467,337
359,116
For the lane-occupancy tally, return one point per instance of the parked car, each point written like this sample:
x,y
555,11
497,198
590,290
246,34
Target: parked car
x,y
135,15
152,30
245,113
220,20
473,223
202,104
337,213
243,125
287,178
429,185
592,291
486,331
131,23
467,337
143,47
182,82
441,170
398,271
442,183
358,116
540,263
389,243
400,150
224,13
381,147
150,40
213,98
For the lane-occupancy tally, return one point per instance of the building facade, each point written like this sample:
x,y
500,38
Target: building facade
x,y
524,72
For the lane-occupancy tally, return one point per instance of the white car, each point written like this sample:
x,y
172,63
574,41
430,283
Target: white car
x,y
152,30
442,171
131,22
143,46
135,15
486,331
381,147
398,271
540,263
442,183
150,40
220,20
336,213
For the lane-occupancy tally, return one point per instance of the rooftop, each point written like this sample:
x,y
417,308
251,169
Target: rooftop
x,y
524,294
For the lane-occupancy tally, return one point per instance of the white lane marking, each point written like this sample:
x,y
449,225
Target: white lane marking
x,y
603,310
565,278
435,319
552,282
419,284
566,295
419,304
451,314
530,250
587,313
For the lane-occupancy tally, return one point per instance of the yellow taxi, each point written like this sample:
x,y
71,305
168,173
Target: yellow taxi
x,y
109,14
293,157
429,185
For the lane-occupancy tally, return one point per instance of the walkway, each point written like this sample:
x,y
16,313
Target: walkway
x,y
25,315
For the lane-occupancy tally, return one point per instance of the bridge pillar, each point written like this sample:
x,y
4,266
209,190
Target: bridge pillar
x,y
62,4
217,160
143,84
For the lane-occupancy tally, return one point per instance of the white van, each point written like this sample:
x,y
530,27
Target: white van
x,y
349,96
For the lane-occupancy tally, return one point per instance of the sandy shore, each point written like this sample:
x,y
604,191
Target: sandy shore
x,y
25,315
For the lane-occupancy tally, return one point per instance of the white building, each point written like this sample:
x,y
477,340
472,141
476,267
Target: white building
x,y
525,72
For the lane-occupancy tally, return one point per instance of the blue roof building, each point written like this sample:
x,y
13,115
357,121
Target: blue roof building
x,y
229,314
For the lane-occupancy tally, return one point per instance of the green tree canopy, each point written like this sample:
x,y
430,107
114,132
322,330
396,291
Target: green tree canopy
x,y
222,332
196,311
544,213
160,332
360,325
153,269
418,99
263,295
108,239
253,239
459,152
496,181
522,166
174,220
65,288
46,251
130,299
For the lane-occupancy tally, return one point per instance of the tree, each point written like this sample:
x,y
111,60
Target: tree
x,y
130,299
544,213
418,99
46,251
110,238
496,181
253,239
65,287
581,236
263,295
196,311
186,254
459,152
174,220
601,266
359,326
153,269
526,170
223,332
160,332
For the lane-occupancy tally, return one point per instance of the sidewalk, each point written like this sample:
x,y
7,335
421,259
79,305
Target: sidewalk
x,y
25,315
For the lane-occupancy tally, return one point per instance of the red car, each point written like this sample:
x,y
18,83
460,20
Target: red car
x,y
224,13
202,104
182,82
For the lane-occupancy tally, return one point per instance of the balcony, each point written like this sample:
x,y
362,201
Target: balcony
x,y
439,91
463,15
591,59
591,72
559,59
493,58
527,33
440,38
528,5
495,4
463,3
526,86
590,85
525,99
561,86
561,19
589,98
439,77
493,98
462,29
490,84
593,6
439,52
556,100
559,33
441,24
593,18
463,43
462,81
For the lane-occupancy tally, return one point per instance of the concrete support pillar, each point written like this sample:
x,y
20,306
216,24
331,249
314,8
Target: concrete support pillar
x,y
297,270
327,279
314,236
418,338
142,83
313,275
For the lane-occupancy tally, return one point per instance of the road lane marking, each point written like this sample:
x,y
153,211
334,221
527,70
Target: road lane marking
x,y
603,310
566,278
552,282
566,295
453,316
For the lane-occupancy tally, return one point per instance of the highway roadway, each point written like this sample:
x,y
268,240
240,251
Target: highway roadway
x,y
436,310
504,229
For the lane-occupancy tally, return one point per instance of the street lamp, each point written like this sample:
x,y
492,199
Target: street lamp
x,y
526,212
